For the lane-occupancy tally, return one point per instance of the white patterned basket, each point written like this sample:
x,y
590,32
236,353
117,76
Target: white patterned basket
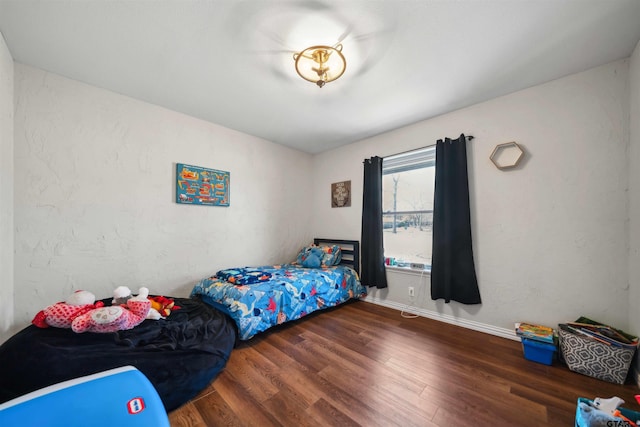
x,y
595,359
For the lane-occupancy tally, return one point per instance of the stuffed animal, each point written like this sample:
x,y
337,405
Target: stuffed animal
x,y
62,314
121,295
153,314
312,257
163,305
116,317
607,405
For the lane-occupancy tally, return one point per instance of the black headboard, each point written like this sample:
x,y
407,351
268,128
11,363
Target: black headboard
x,y
350,251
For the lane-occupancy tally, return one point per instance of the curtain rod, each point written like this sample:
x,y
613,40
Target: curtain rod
x,y
467,137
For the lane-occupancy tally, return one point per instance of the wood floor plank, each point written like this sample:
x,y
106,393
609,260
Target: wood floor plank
x,y
288,411
374,374
365,365
246,409
253,378
340,337
298,352
187,416
510,409
467,417
376,398
324,413
214,411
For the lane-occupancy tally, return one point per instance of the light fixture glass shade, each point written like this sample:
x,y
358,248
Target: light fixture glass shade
x,y
320,64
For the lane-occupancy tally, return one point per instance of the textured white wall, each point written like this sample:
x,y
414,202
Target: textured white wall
x,y
634,196
550,237
6,190
95,190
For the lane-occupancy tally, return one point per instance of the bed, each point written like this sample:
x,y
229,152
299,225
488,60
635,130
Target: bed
x,y
180,355
258,298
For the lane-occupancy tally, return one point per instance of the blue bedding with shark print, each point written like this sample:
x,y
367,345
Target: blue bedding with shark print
x,y
258,298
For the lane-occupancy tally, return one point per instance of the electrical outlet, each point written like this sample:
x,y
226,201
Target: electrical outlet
x,y
412,291
417,265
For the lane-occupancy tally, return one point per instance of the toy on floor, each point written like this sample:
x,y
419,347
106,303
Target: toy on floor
x,y
603,413
619,414
607,405
62,314
116,317
590,416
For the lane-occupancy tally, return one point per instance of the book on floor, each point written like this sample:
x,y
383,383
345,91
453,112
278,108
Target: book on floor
x,y
535,332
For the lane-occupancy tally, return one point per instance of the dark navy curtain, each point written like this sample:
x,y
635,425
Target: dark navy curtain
x,y
373,272
453,274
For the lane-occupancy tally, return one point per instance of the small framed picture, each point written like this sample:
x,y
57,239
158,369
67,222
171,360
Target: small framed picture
x,y
341,194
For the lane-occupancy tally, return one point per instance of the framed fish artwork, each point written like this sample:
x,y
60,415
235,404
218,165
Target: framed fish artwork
x,y
196,185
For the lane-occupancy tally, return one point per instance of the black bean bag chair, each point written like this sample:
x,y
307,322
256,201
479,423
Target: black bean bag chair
x,y
180,355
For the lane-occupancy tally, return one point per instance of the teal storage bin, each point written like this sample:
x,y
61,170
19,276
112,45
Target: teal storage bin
x,y
539,352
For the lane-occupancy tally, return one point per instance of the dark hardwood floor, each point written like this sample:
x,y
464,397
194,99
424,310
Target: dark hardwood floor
x,y
363,364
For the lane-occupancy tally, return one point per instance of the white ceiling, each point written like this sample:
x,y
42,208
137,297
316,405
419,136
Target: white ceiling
x,y
230,62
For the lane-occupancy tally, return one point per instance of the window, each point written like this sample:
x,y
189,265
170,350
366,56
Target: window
x,y
407,206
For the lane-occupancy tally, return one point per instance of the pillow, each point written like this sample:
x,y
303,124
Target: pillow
x,y
332,255
302,254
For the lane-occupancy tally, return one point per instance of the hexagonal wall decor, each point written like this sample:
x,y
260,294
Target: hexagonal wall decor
x,y
507,155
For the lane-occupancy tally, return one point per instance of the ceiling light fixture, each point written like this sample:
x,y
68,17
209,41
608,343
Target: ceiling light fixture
x,y
320,64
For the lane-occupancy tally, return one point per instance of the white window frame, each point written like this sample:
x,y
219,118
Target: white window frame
x,y
402,162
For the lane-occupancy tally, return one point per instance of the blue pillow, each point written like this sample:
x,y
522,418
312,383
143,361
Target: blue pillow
x,y
310,257
331,255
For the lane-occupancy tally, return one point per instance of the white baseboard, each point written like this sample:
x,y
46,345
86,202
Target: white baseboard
x,y
469,324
